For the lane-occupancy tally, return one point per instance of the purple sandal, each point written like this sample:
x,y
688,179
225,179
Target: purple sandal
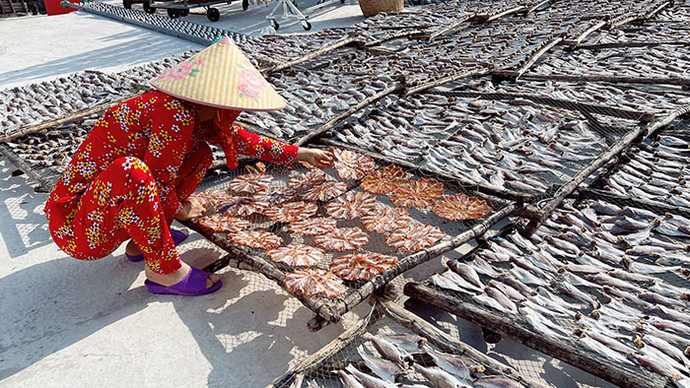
x,y
192,285
178,237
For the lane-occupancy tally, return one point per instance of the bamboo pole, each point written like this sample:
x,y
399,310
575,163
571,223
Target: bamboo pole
x,y
312,55
510,74
496,191
585,34
601,46
617,22
343,305
407,34
538,55
451,78
333,347
617,148
44,186
658,9
441,31
558,103
507,326
337,119
260,265
536,6
56,122
449,344
497,15
228,261
608,79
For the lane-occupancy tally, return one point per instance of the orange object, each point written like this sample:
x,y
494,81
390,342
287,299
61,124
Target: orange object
x,y
53,7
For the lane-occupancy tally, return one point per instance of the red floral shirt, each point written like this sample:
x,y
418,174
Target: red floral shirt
x,y
160,130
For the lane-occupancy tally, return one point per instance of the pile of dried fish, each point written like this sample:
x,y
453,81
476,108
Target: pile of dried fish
x,y
641,99
35,103
516,144
355,235
641,62
55,147
656,172
408,360
611,280
314,98
276,49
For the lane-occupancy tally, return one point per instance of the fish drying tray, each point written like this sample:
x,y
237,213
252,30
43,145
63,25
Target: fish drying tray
x,y
387,318
568,347
331,309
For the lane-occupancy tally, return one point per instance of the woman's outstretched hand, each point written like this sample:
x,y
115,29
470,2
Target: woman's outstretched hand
x,y
190,208
314,158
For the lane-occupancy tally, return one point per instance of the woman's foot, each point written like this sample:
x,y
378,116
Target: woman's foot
x,y
132,249
173,278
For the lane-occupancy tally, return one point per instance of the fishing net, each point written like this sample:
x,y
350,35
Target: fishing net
x,y
322,368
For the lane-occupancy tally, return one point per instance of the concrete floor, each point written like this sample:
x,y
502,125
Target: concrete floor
x,y
67,323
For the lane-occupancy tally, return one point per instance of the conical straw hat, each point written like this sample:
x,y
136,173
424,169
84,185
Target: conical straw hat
x,y
222,77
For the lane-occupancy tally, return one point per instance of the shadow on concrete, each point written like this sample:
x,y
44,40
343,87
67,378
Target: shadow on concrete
x,y
23,226
50,306
252,334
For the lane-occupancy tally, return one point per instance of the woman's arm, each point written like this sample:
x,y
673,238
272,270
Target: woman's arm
x,y
269,150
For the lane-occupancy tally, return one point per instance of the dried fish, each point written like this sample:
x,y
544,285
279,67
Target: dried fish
x,y
342,239
384,180
362,266
417,194
291,212
352,165
386,219
313,226
297,255
313,281
249,184
224,223
256,239
352,205
414,237
461,207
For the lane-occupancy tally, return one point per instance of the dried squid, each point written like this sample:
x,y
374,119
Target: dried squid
x,y
292,211
362,266
386,219
248,184
419,194
313,226
342,239
214,198
314,281
352,165
224,223
297,255
461,207
384,180
415,237
325,191
256,239
352,205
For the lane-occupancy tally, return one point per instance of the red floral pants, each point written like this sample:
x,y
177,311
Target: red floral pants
x,y
121,203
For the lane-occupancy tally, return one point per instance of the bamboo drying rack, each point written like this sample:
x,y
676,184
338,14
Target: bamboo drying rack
x,y
383,311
